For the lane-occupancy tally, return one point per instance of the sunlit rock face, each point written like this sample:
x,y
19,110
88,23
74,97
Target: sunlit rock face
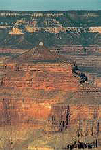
x,y
98,82
33,82
39,87
86,118
46,77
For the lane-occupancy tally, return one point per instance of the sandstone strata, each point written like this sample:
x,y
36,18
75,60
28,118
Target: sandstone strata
x,y
34,82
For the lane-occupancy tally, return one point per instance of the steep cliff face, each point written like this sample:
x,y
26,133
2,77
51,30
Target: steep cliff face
x,y
34,81
85,112
57,76
33,84
39,86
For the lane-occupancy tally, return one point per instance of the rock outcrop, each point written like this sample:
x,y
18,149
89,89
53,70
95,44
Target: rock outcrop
x,y
37,80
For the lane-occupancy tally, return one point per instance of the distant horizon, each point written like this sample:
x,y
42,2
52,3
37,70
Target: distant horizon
x,y
50,5
48,10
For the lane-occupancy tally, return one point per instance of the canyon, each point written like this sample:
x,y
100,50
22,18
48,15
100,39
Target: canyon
x,y
40,90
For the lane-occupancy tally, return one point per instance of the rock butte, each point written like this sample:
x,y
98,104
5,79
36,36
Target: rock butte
x,y
37,80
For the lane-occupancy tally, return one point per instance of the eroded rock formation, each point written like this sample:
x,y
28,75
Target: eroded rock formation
x,y
37,80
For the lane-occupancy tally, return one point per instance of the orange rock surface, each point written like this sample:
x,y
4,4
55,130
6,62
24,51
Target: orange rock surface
x,y
29,89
